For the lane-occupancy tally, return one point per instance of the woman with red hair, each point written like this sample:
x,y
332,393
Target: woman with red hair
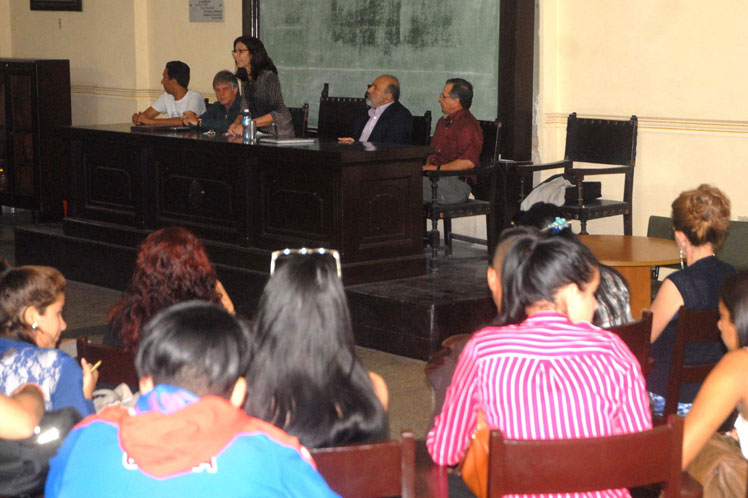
x,y
172,267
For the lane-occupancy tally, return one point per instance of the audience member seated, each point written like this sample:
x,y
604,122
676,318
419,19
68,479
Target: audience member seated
x,y
305,377
30,325
727,385
441,367
261,89
21,412
221,114
457,143
544,372
613,297
171,267
176,99
388,120
187,435
700,220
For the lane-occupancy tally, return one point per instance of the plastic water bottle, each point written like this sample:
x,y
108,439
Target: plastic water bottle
x,y
249,130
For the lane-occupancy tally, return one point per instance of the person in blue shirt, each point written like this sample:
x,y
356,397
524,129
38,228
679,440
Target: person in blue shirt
x,y
187,436
30,326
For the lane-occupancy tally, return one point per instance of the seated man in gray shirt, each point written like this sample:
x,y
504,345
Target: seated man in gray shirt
x,y
221,114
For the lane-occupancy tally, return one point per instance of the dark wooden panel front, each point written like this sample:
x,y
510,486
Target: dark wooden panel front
x,y
110,176
202,192
300,206
252,199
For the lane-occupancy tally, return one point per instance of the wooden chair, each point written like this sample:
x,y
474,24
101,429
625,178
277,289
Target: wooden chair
x,y
370,470
300,118
636,335
420,133
117,365
599,141
694,327
581,465
487,185
336,115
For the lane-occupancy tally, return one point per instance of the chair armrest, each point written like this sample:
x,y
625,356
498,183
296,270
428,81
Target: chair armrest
x,y
544,166
582,172
435,175
512,162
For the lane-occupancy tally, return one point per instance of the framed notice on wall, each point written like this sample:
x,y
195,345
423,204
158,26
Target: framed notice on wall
x,y
57,5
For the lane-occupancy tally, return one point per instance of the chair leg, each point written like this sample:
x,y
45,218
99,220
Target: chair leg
x,y
490,233
434,234
584,227
627,224
448,235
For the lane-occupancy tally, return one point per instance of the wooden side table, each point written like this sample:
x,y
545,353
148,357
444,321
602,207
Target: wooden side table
x,y
633,257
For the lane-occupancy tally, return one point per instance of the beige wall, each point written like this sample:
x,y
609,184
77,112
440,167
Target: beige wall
x,y
5,47
677,66
117,49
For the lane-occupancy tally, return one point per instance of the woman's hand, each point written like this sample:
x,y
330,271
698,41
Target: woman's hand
x,y
89,379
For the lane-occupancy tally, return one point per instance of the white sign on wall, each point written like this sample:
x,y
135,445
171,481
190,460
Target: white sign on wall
x,y
206,10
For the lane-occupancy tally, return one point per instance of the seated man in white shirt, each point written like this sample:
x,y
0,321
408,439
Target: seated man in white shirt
x,y
175,101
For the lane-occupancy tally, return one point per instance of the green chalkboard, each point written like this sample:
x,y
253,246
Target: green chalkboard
x,y
348,43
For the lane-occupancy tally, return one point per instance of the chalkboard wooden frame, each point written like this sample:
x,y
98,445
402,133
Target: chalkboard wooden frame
x,y
516,68
75,5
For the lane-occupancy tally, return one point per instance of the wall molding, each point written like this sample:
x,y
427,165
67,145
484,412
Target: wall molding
x,y
123,93
663,124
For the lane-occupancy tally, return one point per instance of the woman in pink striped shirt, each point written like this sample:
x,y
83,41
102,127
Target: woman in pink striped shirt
x,y
547,372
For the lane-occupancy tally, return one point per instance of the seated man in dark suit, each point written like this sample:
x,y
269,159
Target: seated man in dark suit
x,y
222,113
388,120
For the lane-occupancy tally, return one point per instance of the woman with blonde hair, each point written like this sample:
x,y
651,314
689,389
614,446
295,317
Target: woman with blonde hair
x,y
700,220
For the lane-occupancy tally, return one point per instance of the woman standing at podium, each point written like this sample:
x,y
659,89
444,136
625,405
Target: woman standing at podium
x,y
261,90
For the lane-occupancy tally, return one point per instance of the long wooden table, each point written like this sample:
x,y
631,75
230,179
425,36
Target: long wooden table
x,y
634,257
245,201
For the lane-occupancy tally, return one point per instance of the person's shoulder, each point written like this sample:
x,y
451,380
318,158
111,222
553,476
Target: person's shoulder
x,y
398,107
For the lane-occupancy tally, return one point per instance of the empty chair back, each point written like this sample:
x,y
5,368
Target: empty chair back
x,y
300,118
117,365
336,115
694,327
602,141
420,134
585,465
637,336
370,470
491,142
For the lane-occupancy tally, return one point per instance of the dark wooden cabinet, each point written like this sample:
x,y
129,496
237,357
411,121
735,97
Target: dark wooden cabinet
x,y
34,103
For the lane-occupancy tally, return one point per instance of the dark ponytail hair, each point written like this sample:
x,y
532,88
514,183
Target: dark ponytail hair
x,y
734,295
536,267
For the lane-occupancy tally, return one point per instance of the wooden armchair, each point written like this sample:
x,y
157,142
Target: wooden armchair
x,y
694,327
370,470
117,365
300,118
583,465
611,144
636,335
336,115
420,134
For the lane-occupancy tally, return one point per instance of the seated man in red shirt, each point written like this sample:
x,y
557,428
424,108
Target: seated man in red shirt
x,y
457,143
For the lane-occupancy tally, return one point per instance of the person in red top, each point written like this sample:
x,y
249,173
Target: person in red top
x,y
457,143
